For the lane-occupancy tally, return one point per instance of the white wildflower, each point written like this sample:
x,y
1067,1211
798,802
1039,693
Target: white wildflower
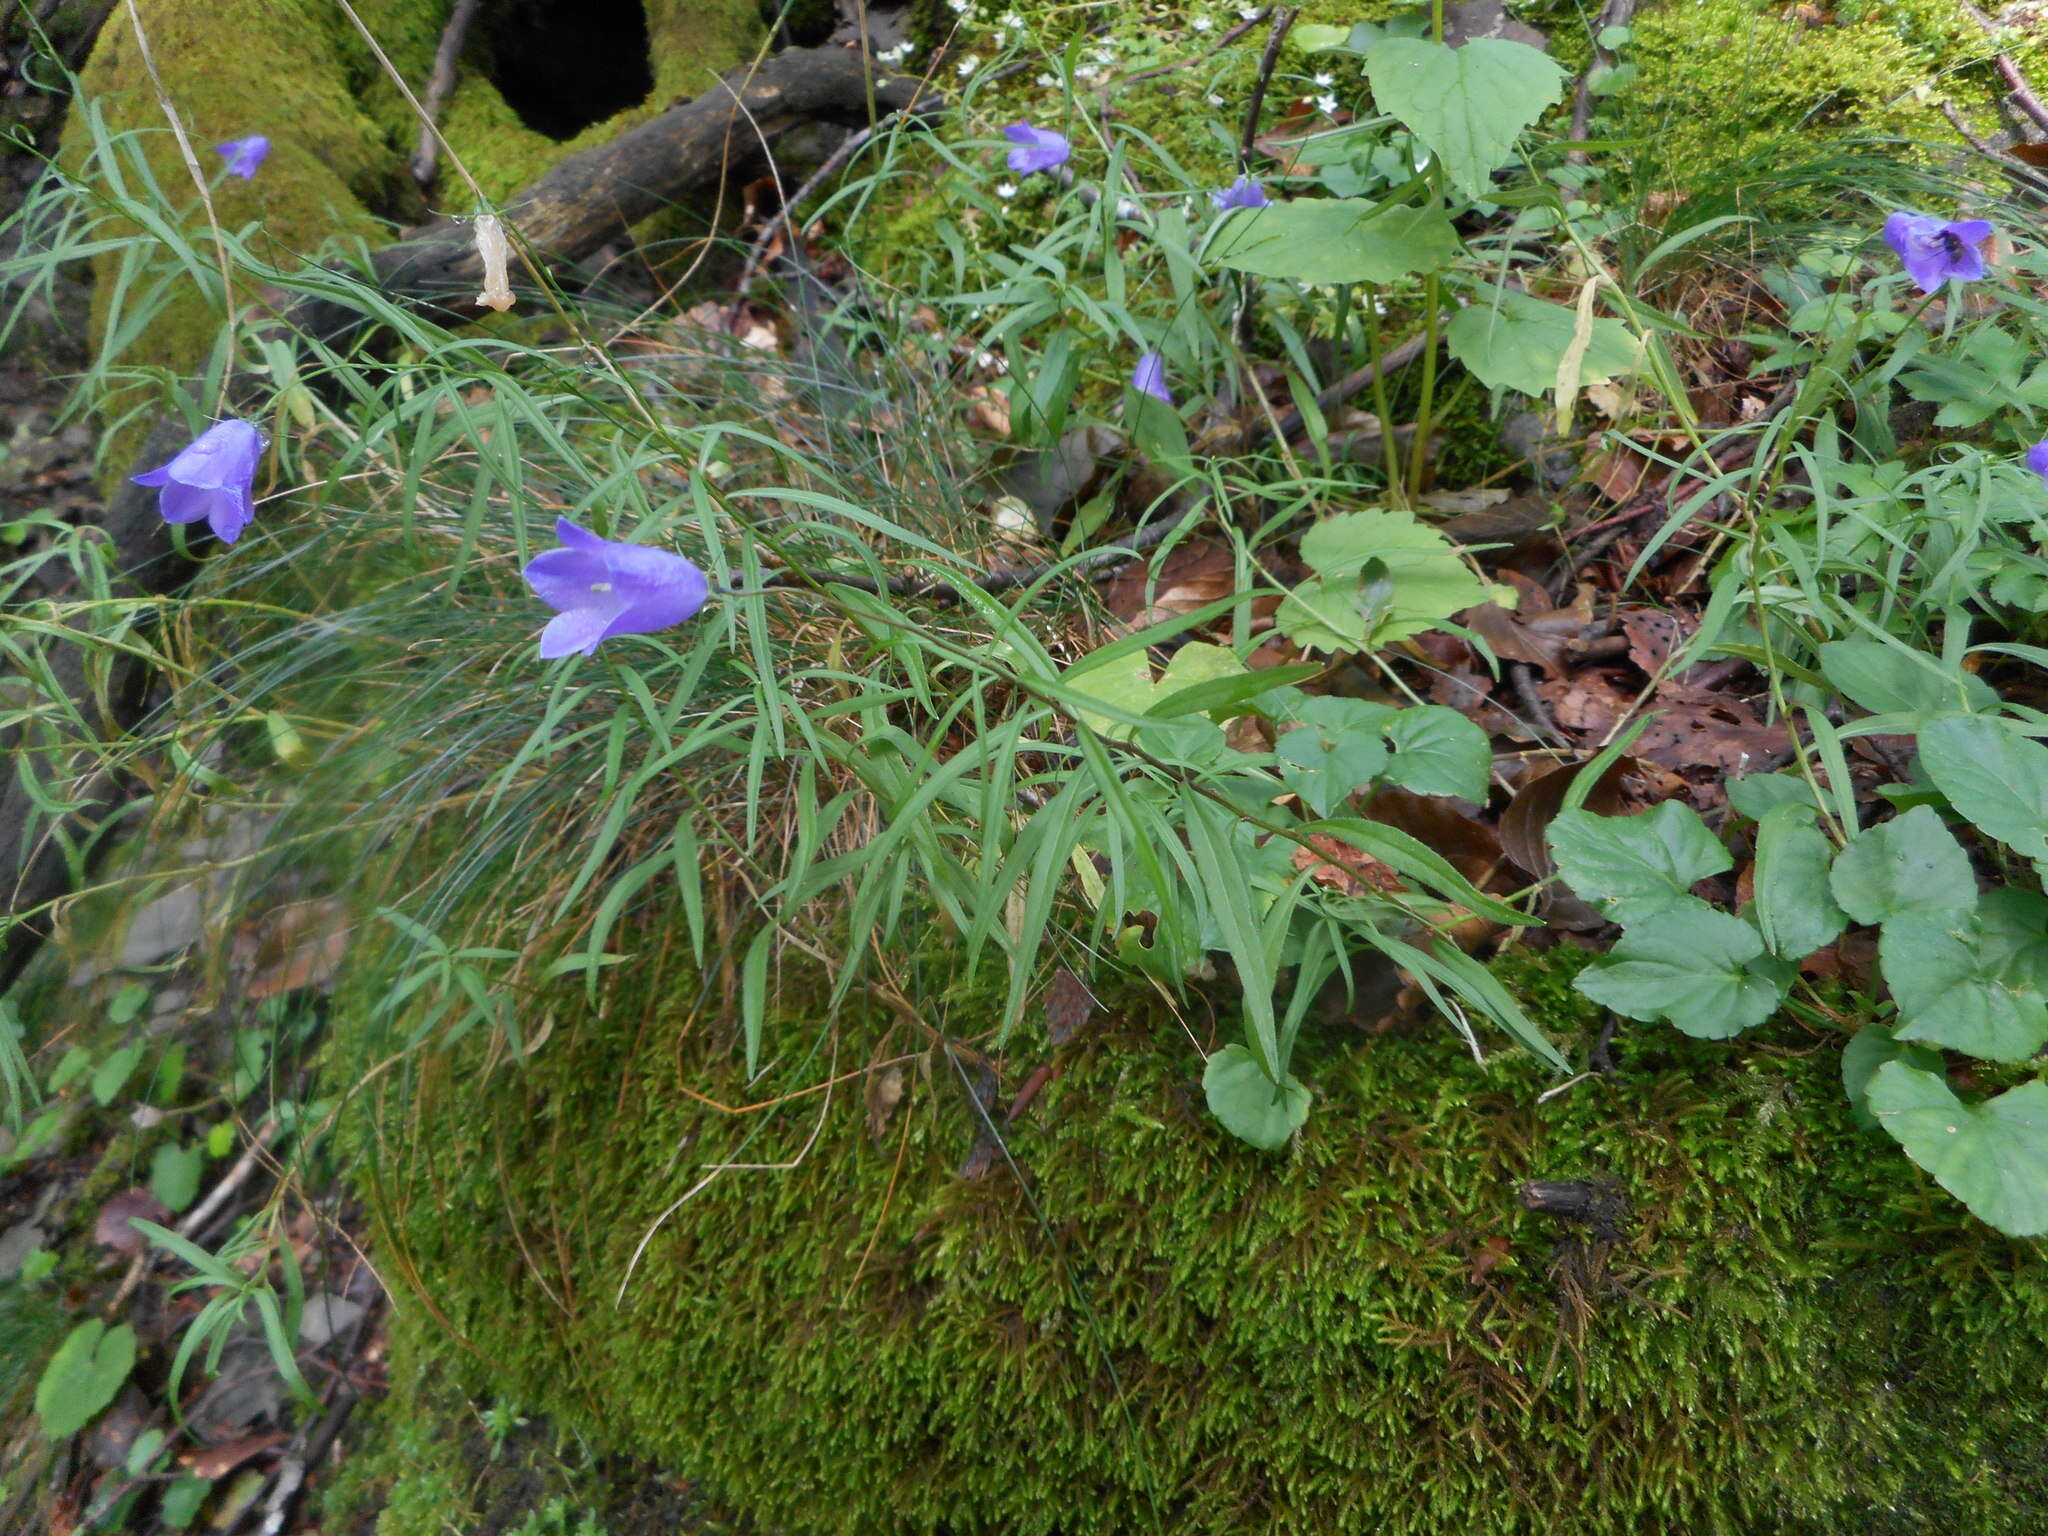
x,y
967,66
1087,72
1048,81
1201,23
1006,189
1215,99
959,7
1324,82
1327,105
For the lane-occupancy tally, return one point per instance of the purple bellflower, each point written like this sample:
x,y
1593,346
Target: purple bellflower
x,y
210,478
2037,459
1149,377
600,588
1933,251
244,155
1241,193
1038,149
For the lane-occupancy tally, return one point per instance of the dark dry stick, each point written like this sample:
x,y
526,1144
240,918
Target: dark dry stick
x,y
834,164
1157,70
439,83
1283,18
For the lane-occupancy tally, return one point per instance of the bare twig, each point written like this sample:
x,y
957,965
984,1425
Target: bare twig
x,y
834,164
1157,70
439,83
1283,18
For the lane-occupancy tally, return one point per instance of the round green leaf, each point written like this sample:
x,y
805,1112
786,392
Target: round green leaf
x,y
1637,865
1438,751
1336,240
1949,993
1468,104
1911,864
1702,970
1992,775
1992,1156
1868,1049
1250,1104
1513,341
83,1376
1380,576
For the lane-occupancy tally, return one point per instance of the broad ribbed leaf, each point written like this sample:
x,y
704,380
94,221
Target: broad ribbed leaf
x,y
1992,1156
1702,970
1993,776
1910,865
1636,865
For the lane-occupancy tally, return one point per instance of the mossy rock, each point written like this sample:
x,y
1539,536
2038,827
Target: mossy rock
x,y
342,134
1790,1330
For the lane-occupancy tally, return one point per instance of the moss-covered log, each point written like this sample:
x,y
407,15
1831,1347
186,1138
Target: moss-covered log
x,y
1161,1329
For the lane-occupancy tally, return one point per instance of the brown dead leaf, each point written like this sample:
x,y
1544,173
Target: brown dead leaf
x,y
1527,819
1195,574
1511,640
216,1461
294,947
1344,868
1653,634
1469,845
1724,735
1616,472
1586,702
1068,1006
883,1093
113,1229
1489,1257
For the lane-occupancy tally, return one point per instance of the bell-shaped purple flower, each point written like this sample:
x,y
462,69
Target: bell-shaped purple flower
x,y
244,155
1149,377
1932,251
1038,149
2037,459
1241,193
210,478
600,588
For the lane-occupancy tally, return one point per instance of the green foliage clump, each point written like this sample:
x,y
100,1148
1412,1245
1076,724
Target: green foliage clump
x,y
1733,86
1166,1330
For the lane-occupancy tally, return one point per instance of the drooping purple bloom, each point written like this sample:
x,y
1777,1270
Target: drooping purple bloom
x,y
1038,149
1241,193
2037,459
600,588
1149,377
244,155
210,478
1933,251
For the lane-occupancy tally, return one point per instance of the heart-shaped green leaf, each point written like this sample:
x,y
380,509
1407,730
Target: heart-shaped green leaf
x,y
1513,341
1336,240
1702,970
1950,991
83,1376
1911,864
1636,865
1992,1156
1250,1104
1438,751
1992,775
1468,104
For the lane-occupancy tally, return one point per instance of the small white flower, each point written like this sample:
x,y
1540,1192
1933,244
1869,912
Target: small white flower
x,y
967,66
897,54
1324,82
1327,105
1215,99
1006,189
1105,55
1247,12
1202,23
1010,19
959,7
1048,81
1087,72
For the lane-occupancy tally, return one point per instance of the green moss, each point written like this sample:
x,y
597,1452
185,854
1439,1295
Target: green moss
x,y
1794,1331
341,132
